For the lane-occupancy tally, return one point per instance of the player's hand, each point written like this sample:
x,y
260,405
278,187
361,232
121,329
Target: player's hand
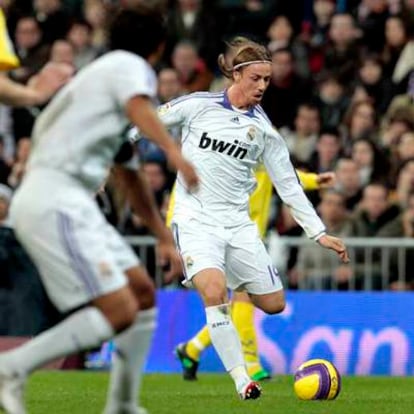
x,y
169,259
326,180
50,79
335,244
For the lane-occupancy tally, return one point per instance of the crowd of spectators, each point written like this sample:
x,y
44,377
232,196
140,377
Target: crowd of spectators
x,y
341,93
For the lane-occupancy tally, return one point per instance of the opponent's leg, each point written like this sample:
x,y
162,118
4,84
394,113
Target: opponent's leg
x,y
242,312
189,353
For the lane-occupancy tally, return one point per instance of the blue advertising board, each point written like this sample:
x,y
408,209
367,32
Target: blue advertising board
x,y
361,333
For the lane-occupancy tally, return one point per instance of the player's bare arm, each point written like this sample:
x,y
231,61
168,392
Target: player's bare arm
x,y
142,114
326,180
134,185
40,88
335,244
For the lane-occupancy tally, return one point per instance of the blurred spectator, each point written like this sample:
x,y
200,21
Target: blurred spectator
x,y
396,37
157,178
281,35
169,86
301,141
331,100
328,150
19,166
286,90
53,19
315,268
342,53
403,75
372,84
192,71
198,22
348,182
373,166
95,14
361,121
405,182
399,120
80,37
33,54
405,148
316,36
5,199
372,15
374,219
62,52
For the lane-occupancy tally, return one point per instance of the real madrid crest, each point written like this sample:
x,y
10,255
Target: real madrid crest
x,y
251,133
163,109
189,261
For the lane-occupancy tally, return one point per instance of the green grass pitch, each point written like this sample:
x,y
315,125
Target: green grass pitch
x,y
84,393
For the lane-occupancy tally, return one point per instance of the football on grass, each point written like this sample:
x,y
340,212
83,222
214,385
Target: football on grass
x,y
317,379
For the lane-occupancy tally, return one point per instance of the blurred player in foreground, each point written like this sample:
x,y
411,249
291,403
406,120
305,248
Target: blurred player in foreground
x,y
226,135
80,257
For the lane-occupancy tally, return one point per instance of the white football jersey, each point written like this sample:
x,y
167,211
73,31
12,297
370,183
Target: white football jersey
x,y
225,145
81,130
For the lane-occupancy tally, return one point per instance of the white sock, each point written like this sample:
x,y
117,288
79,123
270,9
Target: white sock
x,y
132,348
84,329
226,342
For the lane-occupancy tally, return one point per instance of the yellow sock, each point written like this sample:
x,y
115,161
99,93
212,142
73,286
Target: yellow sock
x,y
243,319
196,345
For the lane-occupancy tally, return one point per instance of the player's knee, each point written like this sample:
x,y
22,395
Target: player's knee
x,y
214,295
145,294
142,287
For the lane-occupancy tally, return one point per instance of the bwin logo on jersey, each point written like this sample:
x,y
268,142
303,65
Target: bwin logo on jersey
x,y
235,149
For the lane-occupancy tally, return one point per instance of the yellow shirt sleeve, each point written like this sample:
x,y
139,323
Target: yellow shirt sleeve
x,y
8,59
308,180
170,209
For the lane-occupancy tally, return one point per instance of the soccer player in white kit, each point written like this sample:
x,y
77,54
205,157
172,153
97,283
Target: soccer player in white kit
x,y
226,135
80,257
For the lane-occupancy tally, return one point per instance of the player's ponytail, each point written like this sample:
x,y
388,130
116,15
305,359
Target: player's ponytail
x,y
240,52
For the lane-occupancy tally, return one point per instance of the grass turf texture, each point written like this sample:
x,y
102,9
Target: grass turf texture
x,y
84,393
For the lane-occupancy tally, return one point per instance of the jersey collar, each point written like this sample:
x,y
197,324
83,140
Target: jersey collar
x,y
225,103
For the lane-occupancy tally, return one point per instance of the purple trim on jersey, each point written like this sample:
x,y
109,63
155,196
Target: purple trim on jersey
x,y
79,264
324,379
225,103
174,228
195,95
269,268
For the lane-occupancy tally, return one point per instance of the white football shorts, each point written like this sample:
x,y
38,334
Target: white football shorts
x,y
78,254
237,251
